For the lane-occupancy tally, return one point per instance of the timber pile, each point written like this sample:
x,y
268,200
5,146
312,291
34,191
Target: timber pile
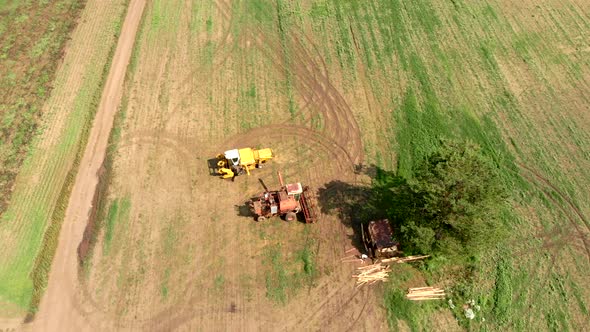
x,y
371,274
425,293
406,259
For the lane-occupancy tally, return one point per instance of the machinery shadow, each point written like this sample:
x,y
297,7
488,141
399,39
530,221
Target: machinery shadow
x,y
212,165
244,211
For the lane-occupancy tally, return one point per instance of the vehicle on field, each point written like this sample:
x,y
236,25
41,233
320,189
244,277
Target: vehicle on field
x,y
378,239
286,202
237,161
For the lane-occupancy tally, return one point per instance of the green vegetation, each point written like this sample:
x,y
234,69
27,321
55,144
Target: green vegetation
x,y
33,219
32,35
287,272
118,212
482,73
450,206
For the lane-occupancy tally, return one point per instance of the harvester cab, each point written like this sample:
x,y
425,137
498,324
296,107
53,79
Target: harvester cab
x,y
233,156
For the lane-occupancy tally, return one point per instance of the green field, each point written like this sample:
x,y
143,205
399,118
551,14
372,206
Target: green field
x,y
515,81
29,227
32,35
512,77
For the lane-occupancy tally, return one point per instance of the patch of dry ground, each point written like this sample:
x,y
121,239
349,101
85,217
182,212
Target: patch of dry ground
x,y
182,256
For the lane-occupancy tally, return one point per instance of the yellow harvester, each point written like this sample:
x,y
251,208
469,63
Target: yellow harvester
x,y
234,162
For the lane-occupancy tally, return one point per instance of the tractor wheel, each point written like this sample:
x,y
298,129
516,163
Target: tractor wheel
x,y
261,218
291,216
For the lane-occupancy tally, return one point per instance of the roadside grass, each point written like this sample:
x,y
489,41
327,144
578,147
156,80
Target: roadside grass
x,y
24,268
118,213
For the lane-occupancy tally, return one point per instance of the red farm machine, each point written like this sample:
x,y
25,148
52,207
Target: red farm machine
x,y
286,202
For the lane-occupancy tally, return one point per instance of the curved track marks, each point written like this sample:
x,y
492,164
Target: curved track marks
x,y
337,136
562,238
570,210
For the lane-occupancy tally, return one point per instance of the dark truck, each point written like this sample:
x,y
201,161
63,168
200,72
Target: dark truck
x,y
378,239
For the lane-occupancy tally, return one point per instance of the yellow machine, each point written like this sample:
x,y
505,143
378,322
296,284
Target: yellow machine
x,y
234,162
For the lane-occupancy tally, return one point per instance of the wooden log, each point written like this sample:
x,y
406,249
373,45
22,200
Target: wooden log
x,y
426,294
430,292
404,259
370,266
427,291
417,288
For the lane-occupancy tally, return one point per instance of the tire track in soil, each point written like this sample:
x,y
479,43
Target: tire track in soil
x,y
286,133
339,136
547,187
539,181
220,53
312,84
182,147
175,315
352,295
182,150
337,298
320,96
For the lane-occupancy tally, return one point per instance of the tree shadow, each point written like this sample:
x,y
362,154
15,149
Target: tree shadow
x,y
351,204
388,196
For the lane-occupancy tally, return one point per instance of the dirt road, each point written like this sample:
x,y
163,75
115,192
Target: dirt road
x,y
58,310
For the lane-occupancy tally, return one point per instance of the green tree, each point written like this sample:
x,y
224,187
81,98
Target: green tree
x,y
451,204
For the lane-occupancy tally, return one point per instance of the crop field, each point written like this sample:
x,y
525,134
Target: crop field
x,y
336,89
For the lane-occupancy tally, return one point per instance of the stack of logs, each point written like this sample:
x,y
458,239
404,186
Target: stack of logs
x,y
425,293
371,274
379,271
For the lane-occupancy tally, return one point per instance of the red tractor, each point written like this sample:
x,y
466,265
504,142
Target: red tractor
x,y
287,202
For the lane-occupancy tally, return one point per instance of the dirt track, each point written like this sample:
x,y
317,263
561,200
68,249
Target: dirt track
x,y
58,309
